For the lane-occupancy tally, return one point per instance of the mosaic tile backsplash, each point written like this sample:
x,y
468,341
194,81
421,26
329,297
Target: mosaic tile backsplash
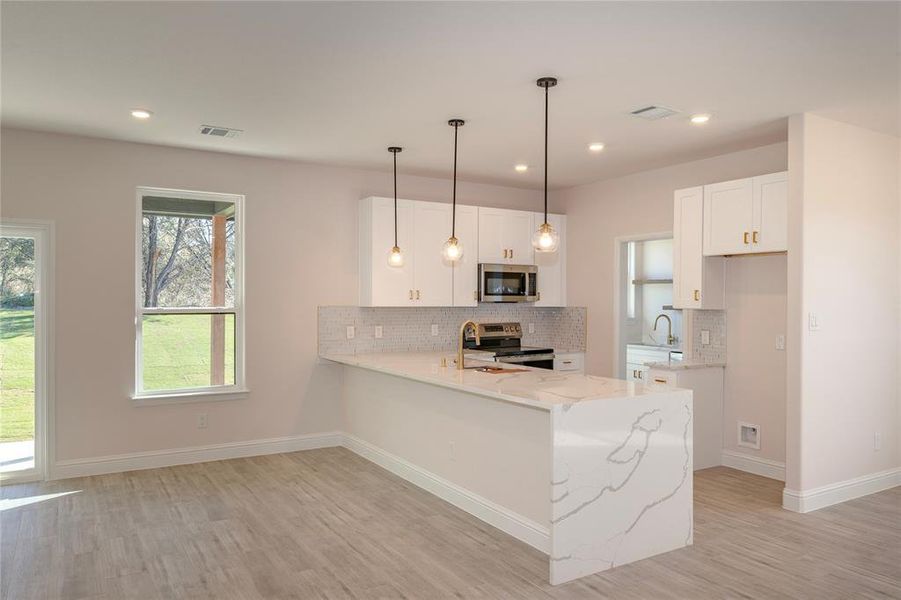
x,y
713,321
410,329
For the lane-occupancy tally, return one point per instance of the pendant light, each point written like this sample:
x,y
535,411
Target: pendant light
x,y
453,249
395,256
545,238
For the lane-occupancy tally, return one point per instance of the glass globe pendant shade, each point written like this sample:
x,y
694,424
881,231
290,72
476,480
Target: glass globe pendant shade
x,y
452,250
395,257
545,239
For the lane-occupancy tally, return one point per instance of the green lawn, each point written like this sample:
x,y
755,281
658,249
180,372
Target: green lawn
x,y
176,353
16,375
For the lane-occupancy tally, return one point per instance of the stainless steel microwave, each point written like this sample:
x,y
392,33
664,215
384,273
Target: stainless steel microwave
x,y
508,283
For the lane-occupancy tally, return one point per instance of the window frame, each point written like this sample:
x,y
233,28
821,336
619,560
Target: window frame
x,y
224,392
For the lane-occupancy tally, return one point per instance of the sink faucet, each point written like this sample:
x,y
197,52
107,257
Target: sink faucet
x,y
463,327
670,340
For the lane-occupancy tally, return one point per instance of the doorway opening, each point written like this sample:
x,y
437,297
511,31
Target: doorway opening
x,y
24,256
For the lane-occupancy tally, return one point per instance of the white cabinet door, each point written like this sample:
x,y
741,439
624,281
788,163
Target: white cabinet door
x,y
728,217
770,220
432,275
491,235
552,265
505,236
697,280
383,285
517,237
466,270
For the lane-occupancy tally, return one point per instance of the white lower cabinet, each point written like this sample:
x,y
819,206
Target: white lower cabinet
x,y
570,361
706,384
637,358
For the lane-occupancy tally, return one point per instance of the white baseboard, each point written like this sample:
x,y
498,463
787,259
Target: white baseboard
x,y
835,493
65,469
521,528
752,464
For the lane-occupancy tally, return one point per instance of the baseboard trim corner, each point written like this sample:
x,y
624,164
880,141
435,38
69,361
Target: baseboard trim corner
x,y
753,464
102,465
804,501
513,524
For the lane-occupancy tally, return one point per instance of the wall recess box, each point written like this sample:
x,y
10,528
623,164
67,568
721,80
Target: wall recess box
x,y
749,435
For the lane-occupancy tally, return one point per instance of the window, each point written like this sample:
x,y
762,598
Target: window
x,y
189,289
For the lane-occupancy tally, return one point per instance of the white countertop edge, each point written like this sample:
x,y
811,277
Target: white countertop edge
x,y
683,365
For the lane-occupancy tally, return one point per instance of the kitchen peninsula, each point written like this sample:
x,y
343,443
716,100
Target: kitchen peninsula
x,y
594,472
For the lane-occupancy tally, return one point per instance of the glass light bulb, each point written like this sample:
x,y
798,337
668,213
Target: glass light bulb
x,y
545,239
452,250
395,257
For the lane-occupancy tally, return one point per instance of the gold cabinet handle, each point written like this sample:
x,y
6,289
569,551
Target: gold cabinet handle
x,y
505,253
658,380
754,237
511,252
417,294
411,294
475,294
746,236
639,375
697,295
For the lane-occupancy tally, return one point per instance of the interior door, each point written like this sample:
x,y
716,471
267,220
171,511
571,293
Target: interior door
x,y
392,286
432,275
770,213
551,265
466,270
24,351
728,217
517,236
491,232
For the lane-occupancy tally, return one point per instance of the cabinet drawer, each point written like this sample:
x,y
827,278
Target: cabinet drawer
x,y
572,361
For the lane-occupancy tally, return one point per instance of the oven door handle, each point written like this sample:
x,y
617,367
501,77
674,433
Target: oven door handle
x,y
523,358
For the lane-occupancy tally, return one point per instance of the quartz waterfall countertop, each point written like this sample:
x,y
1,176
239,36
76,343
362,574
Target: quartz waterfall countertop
x,y
539,388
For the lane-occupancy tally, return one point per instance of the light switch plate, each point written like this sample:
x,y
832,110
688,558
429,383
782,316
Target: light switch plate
x,y
350,332
780,342
378,332
434,329
705,337
813,323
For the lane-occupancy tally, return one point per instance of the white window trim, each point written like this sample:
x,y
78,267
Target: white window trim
x,y
197,394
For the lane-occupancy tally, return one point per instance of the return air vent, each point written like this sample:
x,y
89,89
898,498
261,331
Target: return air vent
x,y
215,131
653,113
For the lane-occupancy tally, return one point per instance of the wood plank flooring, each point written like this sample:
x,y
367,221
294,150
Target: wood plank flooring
x,y
328,524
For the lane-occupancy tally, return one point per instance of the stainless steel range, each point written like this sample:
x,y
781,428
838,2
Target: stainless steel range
x,y
504,342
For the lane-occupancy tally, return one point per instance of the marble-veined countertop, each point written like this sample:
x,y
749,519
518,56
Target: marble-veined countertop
x,y
681,365
539,388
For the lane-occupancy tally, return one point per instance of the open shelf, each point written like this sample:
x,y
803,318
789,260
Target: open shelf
x,y
650,281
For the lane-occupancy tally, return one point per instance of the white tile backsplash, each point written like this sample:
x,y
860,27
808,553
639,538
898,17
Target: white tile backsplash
x,y
407,329
713,321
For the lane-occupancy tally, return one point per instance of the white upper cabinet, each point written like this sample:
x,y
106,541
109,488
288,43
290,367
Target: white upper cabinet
x,y
551,265
697,280
466,270
770,224
432,276
422,228
746,216
505,236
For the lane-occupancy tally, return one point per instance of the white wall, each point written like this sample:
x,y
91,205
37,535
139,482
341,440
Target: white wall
x,y
301,252
843,266
641,203
754,386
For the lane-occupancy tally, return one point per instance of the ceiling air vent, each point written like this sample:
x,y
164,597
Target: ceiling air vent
x,y
653,113
215,131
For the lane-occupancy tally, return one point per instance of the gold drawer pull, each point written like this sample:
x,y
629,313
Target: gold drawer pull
x,y
658,380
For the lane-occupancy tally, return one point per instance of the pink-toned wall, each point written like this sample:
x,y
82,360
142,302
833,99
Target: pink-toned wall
x,y
301,252
600,212
843,266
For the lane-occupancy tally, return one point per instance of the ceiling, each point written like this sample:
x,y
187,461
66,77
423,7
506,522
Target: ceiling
x,y
337,83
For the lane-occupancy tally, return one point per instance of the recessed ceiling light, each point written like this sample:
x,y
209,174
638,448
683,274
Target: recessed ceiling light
x,y
141,113
700,119
596,146
521,168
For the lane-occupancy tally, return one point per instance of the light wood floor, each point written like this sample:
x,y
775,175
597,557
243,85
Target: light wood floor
x,y
328,524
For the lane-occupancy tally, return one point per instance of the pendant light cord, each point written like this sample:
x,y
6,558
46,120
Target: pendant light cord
x,y
454,209
395,198
545,152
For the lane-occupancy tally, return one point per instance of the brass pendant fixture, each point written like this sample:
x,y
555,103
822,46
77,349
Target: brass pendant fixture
x,y
453,249
546,238
395,256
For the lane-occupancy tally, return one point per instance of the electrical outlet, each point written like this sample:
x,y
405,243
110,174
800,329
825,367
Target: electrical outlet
x,y
780,342
201,421
813,323
351,332
531,327
705,337
434,329
378,332
877,441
